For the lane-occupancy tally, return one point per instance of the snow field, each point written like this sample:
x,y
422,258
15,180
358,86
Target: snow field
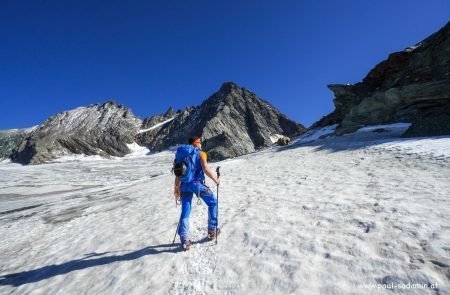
x,y
310,218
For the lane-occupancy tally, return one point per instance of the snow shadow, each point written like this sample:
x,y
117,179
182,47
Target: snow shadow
x,y
46,272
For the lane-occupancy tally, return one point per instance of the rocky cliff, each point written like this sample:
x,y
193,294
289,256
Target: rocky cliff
x,y
9,139
232,122
409,86
94,130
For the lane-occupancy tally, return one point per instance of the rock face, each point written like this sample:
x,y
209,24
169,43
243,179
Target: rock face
x,y
232,122
9,139
157,119
410,86
431,121
94,130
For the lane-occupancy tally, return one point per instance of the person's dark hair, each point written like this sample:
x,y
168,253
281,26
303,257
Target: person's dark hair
x,y
193,138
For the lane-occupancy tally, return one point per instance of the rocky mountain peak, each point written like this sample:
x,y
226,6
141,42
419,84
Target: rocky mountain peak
x,y
169,113
110,104
224,95
228,87
104,129
233,121
231,95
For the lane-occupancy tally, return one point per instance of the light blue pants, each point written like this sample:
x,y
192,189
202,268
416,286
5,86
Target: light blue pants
x,y
202,191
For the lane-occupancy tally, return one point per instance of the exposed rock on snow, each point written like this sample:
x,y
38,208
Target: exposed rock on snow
x,y
274,138
9,139
434,120
282,141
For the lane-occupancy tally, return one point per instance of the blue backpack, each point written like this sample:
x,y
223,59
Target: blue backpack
x,y
185,163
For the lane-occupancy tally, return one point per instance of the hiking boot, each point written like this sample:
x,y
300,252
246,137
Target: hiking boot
x,y
186,245
212,234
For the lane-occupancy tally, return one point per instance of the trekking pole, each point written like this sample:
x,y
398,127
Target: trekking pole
x,y
175,236
178,226
217,222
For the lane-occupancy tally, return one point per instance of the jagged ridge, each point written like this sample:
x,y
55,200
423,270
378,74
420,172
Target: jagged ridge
x,y
94,130
233,121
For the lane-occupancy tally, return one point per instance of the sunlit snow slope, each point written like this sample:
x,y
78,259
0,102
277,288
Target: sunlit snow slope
x,y
332,216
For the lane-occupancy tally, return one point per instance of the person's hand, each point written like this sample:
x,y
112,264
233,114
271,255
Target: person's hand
x,y
217,181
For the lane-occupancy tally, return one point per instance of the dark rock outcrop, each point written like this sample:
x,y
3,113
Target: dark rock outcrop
x,y
10,139
433,121
282,141
410,86
94,130
232,122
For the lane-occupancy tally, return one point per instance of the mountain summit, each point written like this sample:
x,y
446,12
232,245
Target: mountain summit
x,y
233,122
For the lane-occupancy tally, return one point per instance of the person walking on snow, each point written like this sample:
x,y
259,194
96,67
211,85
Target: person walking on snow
x,y
185,191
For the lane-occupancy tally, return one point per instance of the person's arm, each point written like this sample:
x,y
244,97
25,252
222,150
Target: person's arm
x,y
208,171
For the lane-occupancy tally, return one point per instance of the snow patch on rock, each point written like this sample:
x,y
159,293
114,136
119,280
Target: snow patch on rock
x,y
315,134
157,125
137,151
274,138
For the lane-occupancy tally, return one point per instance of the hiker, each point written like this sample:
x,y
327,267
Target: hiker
x,y
185,187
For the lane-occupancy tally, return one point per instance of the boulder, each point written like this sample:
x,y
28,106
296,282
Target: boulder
x,y
283,141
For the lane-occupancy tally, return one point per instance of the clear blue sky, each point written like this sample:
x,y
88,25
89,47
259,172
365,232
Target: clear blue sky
x,y
149,55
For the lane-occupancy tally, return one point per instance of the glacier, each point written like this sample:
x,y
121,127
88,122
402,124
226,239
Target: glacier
x,y
320,216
